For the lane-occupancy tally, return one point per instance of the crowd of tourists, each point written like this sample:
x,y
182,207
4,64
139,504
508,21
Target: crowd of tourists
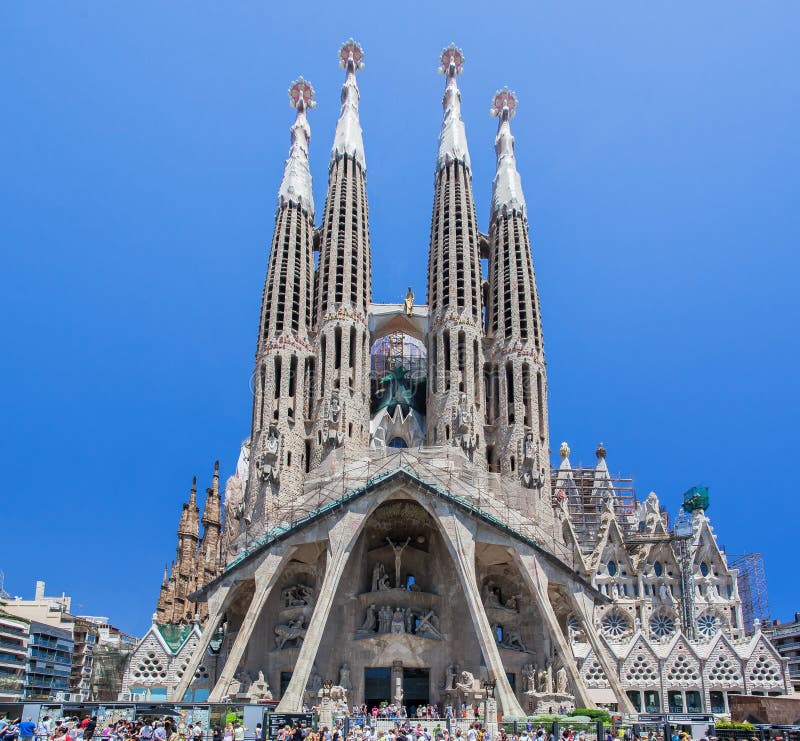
x,y
88,729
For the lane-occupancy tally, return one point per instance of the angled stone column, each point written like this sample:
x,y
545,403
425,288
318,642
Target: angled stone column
x,y
461,544
265,576
218,602
584,605
340,544
537,582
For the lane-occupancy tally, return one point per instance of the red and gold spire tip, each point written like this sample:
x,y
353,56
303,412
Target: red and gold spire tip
x,y
301,94
351,51
451,61
504,100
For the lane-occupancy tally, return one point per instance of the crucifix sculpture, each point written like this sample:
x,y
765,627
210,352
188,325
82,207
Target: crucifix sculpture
x,y
398,554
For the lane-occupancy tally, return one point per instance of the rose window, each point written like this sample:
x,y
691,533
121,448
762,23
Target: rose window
x,y
707,625
662,626
615,625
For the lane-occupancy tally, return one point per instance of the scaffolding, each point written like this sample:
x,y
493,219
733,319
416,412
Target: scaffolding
x,y
752,583
586,496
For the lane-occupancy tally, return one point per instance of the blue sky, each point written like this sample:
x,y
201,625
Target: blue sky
x,y
142,147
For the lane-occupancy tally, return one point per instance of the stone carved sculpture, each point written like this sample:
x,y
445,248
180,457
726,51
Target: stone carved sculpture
x,y
450,676
512,638
466,682
344,676
530,469
292,632
398,625
490,595
548,679
398,556
561,681
298,595
368,625
428,626
400,621
380,579
463,427
385,619
259,690
268,458
408,303
334,427
529,677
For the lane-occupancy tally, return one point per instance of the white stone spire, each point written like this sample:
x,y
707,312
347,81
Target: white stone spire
x,y
453,137
348,138
296,184
507,187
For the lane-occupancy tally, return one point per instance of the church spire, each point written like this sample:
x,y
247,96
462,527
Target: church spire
x,y
296,184
507,186
455,351
513,321
344,283
348,138
284,351
453,136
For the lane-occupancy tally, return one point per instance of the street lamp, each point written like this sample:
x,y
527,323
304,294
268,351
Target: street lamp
x,y
326,687
489,687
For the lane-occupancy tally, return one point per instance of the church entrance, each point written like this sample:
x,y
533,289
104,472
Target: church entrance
x,y
416,688
377,686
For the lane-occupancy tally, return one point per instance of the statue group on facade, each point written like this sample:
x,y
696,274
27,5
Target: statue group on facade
x,y
401,621
292,633
547,686
297,595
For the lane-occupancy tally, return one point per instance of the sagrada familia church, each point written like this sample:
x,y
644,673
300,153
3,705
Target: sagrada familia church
x,y
394,525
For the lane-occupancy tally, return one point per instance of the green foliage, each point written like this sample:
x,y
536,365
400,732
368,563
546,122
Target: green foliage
x,y
734,725
593,713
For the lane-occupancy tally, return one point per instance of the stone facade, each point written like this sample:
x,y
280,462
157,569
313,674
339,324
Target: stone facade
x,y
395,527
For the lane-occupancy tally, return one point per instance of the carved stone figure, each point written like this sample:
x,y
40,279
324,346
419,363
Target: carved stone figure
x,y
385,619
541,680
259,690
490,597
368,625
377,571
333,423
398,556
511,602
530,473
429,625
344,676
561,681
291,631
398,622
464,435
409,618
512,638
408,302
450,675
268,459
529,677
548,679
466,682
298,595
614,591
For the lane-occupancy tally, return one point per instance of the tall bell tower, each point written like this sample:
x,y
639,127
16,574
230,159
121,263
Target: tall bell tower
x,y
455,350
517,397
284,354
344,284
